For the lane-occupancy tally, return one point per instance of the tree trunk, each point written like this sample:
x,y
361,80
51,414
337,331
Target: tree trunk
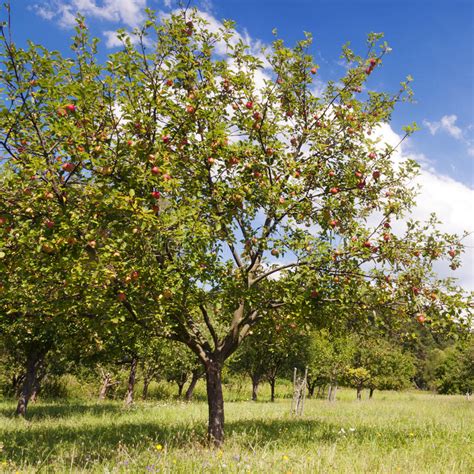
x,y
194,380
272,388
131,382
215,401
311,388
332,392
180,388
106,383
32,363
359,393
146,383
371,392
255,384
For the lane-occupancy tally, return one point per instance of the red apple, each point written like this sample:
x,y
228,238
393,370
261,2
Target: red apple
x,y
334,190
155,194
331,174
376,174
49,224
367,244
416,291
358,174
452,253
190,109
249,105
257,116
314,70
334,223
70,108
68,167
166,139
155,170
387,225
121,297
169,82
421,318
211,160
373,62
166,177
372,155
275,252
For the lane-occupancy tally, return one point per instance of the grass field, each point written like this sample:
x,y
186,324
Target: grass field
x,y
404,432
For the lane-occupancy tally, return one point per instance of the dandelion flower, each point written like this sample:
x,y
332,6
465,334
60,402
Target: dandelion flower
x,y
285,457
158,447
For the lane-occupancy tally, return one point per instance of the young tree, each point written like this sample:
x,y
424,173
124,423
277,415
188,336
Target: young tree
x,y
271,351
175,182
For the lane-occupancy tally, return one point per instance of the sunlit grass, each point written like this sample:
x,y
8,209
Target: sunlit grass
x,y
408,432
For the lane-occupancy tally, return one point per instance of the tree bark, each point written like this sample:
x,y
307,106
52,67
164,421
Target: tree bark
x,y
255,384
371,392
215,401
146,384
106,383
359,393
272,388
33,361
194,380
131,382
180,388
332,392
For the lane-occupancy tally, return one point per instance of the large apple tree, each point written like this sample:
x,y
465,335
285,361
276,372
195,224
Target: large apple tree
x,y
193,187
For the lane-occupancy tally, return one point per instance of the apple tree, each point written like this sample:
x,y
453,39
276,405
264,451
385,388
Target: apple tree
x,y
193,187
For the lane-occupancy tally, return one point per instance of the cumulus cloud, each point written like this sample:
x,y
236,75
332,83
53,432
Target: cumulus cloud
x,y
446,124
451,200
128,12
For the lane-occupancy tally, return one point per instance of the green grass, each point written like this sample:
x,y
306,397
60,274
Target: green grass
x,y
405,432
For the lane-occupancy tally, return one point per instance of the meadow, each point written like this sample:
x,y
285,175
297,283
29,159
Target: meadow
x,y
408,432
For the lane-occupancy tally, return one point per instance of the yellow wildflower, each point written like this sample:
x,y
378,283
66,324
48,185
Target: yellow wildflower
x,y
158,447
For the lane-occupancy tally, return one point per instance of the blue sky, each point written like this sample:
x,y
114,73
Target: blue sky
x,y
432,40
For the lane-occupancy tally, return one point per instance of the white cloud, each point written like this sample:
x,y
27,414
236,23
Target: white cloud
x,y
446,124
451,200
128,12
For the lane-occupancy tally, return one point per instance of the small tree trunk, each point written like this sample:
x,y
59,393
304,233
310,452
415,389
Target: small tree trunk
x,y
146,383
311,388
371,392
359,393
180,388
215,401
255,384
272,388
330,393
131,382
194,380
32,362
106,383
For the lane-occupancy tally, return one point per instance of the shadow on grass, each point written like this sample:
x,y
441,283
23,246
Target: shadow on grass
x,y
62,410
84,443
